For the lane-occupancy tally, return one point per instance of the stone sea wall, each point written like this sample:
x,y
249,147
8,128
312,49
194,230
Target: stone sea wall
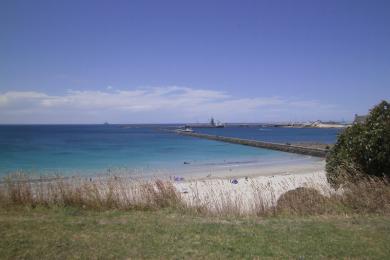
x,y
273,146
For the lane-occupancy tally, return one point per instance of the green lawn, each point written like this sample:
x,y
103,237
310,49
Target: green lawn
x,y
75,233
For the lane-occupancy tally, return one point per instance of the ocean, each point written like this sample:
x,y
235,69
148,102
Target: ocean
x,y
138,149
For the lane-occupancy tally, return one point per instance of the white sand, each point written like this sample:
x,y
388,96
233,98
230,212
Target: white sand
x,y
255,186
257,170
258,185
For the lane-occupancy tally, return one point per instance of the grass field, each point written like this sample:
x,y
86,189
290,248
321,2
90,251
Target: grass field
x,y
66,232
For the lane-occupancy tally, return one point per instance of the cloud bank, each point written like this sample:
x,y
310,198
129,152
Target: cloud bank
x,y
154,105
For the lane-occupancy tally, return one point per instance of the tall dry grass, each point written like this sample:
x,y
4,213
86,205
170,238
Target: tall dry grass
x,y
102,193
367,196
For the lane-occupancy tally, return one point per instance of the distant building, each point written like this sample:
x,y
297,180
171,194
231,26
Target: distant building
x,y
359,119
212,122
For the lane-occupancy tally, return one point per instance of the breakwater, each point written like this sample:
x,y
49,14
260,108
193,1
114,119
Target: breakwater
x,y
317,152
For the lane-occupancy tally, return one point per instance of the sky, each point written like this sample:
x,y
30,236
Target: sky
x,y
186,61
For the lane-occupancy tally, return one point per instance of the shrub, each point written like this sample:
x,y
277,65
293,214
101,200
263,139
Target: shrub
x,y
362,149
302,201
371,195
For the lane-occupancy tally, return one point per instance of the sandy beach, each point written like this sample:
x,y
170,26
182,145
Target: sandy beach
x,y
305,166
221,189
243,188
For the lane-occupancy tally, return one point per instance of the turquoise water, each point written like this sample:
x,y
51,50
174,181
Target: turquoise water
x,y
92,149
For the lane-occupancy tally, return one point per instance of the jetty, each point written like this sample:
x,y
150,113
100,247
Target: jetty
x,y
317,152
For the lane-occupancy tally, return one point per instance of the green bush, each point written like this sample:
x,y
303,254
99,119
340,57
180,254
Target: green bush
x,y
362,149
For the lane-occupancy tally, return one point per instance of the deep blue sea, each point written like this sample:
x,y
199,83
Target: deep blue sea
x,y
95,149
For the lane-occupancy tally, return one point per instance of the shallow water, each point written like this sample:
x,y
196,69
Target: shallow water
x,y
94,149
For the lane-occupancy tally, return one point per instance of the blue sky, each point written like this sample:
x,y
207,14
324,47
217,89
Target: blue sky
x,y
178,61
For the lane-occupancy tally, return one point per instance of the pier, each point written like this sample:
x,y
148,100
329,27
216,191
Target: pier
x,y
317,152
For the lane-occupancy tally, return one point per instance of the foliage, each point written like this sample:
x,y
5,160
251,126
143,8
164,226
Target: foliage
x,y
302,201
362,149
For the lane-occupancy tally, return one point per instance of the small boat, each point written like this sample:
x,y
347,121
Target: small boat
x,y
187,129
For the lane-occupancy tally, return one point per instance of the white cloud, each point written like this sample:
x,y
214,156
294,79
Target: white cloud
x,y
160,104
